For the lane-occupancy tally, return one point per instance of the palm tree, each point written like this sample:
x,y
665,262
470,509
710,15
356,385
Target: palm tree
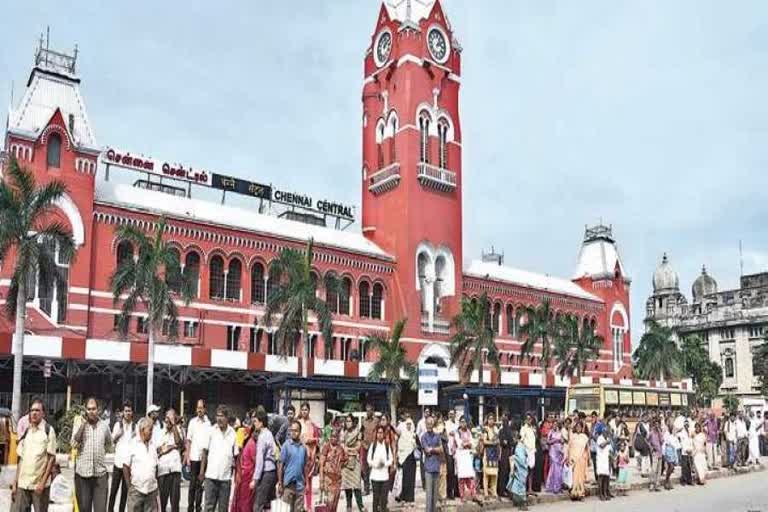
x,y
293,297
391,364
473,339
575,348
150,279
539,328
28,232
658,356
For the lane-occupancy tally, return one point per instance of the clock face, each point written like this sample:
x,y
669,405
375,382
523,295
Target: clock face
x,y
438,45
383,48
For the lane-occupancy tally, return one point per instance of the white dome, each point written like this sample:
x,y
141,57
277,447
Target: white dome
x,y
665,277
703,285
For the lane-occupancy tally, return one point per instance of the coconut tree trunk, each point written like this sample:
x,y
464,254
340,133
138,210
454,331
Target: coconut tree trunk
x,y
394,400
18,347
481,398
150,366
305,335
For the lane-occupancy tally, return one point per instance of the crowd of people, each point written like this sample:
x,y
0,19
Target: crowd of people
x,y
255,462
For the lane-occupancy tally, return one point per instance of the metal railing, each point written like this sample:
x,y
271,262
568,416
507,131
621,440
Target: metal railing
x,y
436,177
384,179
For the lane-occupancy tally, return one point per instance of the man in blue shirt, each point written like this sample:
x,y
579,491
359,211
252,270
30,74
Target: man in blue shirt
x,y
432,447
290,473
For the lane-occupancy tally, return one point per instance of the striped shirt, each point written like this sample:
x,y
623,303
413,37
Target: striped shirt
x,y
92,449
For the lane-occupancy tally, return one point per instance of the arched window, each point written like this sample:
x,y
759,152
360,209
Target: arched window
x,y
423,262
346,353
593,325
362,349
364,291
729,370
377,299
439,280
271,282
124,251
192,269
233,280
257,283
424,138
497,318
313,346
344,295
331,292
518,321
216,277
392,145
442,134
510,313
53,155
174,278
380,146
585,324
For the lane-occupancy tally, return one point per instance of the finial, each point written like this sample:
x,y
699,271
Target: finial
x,y
664,258
704,269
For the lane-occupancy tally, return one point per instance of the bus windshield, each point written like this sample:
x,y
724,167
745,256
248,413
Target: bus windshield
x,y
586,401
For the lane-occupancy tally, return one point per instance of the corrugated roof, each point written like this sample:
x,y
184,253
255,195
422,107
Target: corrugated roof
x,y
233,217
528,279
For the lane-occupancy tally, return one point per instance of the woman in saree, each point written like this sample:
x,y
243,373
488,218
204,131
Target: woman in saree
x,y
465,469
244,496
310,437
578,459
333,457
700,454
556,459
519,476
351,478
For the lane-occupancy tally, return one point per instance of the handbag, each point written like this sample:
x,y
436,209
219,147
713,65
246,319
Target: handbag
x,y
278,505
321,507
397,486
567,476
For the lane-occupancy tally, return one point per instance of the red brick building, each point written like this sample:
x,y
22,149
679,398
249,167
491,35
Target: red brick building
x,y
405,260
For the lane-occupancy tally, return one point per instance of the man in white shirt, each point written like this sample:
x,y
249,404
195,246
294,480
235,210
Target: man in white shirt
x,y
730,438
168,447
197,440
153,413
140,469
218,461
123,435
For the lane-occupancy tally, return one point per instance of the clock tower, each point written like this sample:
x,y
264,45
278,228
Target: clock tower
x,y
411,172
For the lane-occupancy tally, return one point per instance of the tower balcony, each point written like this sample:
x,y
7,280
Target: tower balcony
x,y
436,177
384,179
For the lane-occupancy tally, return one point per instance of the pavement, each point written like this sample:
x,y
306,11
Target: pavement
x,y
744,492
750,491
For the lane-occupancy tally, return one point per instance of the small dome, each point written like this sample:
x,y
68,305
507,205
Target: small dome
x,y
665,277
703,285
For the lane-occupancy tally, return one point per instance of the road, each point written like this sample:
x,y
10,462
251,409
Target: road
x,y
742,493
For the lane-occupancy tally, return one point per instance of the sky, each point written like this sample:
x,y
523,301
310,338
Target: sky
x,y
650,116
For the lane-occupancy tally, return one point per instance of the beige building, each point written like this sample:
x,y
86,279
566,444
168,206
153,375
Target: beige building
x,y
732,323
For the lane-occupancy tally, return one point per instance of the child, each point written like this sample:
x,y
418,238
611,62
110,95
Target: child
x,y
622,485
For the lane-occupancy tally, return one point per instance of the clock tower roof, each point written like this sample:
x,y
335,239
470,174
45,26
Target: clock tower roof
x,y
409,10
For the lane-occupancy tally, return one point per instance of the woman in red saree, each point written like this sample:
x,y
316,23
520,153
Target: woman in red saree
x,y
244,496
